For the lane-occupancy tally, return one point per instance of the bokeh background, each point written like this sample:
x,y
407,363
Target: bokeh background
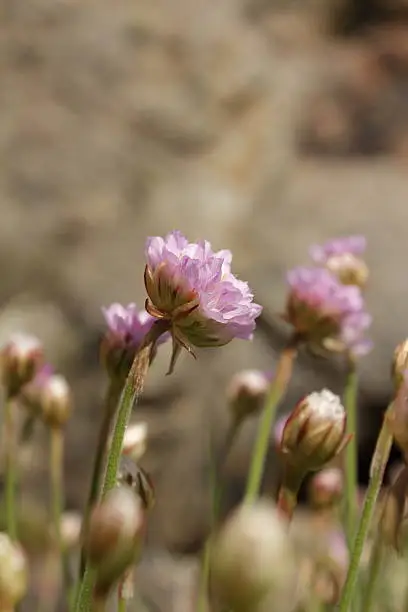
x,y
261,125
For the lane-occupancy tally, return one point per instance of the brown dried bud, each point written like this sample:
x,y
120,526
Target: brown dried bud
x,y
399,363
56,401
314,433
393,511
135,441
349,269
20,359
397,417
326,488
246,393
114,536
13,573
252,560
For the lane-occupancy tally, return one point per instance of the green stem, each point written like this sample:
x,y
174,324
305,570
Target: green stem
x,y
111,402
132,390
122,604
216,494
351,457
373,574
277,391
11,472
378,465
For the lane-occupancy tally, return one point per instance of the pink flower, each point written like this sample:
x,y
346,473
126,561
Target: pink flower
x,y
326,312
193,287
349,245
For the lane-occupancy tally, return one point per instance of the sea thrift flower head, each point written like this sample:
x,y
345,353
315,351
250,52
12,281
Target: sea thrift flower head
x,y
314,434
246,393
32,393
127,327
400,363
325,312
348,245
252,560
193,288
326,488
13,573
20,359
114,537
135,441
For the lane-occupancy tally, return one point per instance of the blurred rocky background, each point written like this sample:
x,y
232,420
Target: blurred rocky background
x,y
262,125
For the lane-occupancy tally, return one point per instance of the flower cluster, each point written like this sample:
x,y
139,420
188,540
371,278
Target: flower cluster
x,y
323,309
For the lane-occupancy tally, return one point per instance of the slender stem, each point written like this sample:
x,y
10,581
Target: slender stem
x,y
122,604
351,458
133,389
216,494
378,465
373,573
277,390
11,472
111,402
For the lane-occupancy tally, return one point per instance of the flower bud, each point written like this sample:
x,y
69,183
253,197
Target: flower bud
x,y
20,359
135,477
246,393
397,416
114,536
56,401
399,363
393,511
135,441
315,432
349,269
252,560
71,526
13,573
326,488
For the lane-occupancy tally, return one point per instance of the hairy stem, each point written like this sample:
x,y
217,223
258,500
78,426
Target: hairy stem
x,y
378,465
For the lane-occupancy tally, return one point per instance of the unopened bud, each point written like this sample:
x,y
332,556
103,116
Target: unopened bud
x,y
252,560
20,359
56,401
397,416
114,536
13,573
326,488
399,363
71,526
349,269
135,477
393,511
315,433
135,441
246,393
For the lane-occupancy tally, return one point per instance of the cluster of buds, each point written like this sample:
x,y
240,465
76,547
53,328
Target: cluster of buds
x,y
13,574
313,435
114,537
252,565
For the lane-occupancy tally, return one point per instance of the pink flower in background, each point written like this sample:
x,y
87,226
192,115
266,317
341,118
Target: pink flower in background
x,y
127,324
349,245
326,312
193,287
